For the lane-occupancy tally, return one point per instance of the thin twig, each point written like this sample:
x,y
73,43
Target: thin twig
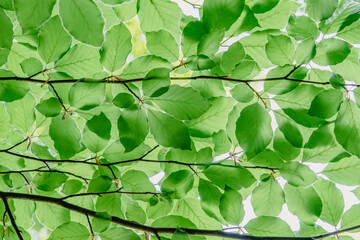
x,y
104,193
40,170
8,149
91,229
58,97
12,219
258,95
133,160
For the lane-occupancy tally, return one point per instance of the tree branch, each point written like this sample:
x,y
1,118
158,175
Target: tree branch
x,y
12,219
130,161
60,100
104,193
154,230
220,78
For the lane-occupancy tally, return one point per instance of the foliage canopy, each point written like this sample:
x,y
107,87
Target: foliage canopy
x,y
236,103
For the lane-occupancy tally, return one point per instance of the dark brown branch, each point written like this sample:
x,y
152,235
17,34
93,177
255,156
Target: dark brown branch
x,y
104,193
130,161
12,219
19,143
221,78
132,92
154,230
91,229
41,170
150,151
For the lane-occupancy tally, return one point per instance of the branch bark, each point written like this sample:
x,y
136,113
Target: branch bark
x,y
154,230
12,219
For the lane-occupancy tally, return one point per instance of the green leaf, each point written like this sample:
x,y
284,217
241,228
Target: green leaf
x,y
5,126
166,48
297,174
267,226
92,141
289,128
156,79
234,177
80,61
100,125
49,181
303,202
233,56
326,104
351,217
347,127
231,206
168,131
123,100
159,14
210,199
114,233
70,230
305,51
280,49
22,115
6,36
177,184
320,9
344,171
54,41
301,27
221,142
268,198
199,62
262,6
213,120
338,82
126,11
85,95
72,186
253,129
99,184
66,136
210,43
180,235
267,158
50,107
333,201
142,65
6,4
133,128
51,215
183,103
89,24
331,51
137,181
111,204
31,66
349,68
191,36
116,152
219,14
116,48
31,14
322,145
11,91
135,213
